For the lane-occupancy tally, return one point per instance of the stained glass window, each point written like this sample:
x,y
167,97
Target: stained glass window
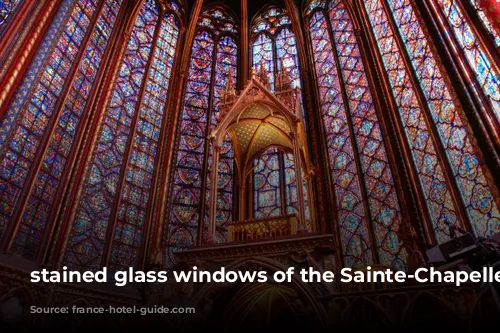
x,y
274,46
263,56
488,25
286,49
488,77
42,113
138,180
116,190
213,63
57,24
7,10
364,189
427,160
267,184
467,170
274,50
292,201
225,71
188,178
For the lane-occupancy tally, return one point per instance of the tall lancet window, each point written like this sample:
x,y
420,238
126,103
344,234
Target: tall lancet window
x,y
274,51
368,209
43,123
451,16
8,9
112,213
433,124
213,67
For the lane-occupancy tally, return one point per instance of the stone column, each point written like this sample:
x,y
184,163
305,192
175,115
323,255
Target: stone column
x,y
298,180
213,192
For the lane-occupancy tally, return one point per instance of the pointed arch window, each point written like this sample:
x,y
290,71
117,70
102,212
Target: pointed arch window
x,y
368,209
433,121
42,122
112,213
274,47
213,66
274,50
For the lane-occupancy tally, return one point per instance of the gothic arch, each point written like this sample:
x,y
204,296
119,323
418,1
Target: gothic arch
x,y
181,12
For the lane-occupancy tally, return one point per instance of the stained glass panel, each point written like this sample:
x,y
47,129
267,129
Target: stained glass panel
x,y
88,235
487,76
7,10
286,51
274,46
351,213
263,56
47,181
138,182
352,127
428,162
267,180
383,202
495,34
38,110
291,198
32,73
447,117
225,72
188,178
213,65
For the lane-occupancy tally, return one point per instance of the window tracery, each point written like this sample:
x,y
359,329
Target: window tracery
x,y
213,65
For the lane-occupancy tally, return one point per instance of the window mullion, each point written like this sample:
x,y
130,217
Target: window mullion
x,y
208,130
283,187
